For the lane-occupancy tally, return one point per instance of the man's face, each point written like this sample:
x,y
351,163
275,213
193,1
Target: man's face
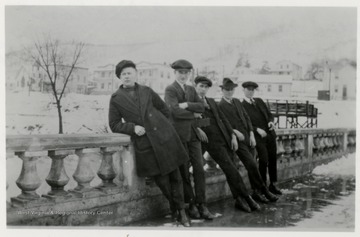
x,y
249,92
128,76
202,89
182,75
228,92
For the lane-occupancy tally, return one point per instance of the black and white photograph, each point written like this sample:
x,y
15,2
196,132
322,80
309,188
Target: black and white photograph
x,y
180,116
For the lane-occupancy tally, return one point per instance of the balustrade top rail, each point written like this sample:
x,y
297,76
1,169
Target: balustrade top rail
x,y
19,143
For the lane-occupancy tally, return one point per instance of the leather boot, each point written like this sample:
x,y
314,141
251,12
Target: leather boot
x,y
274,189
193,211
204,212
270,196
252,204
257,196
241,204
183,219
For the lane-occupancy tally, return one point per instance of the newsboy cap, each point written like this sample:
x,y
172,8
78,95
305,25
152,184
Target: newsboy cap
x,y
123,64
228,84
181,64
202,79
250,84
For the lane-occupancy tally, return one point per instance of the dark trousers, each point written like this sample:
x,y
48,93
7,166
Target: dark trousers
x,y
266,149
171,186
193,149
224,157
246,156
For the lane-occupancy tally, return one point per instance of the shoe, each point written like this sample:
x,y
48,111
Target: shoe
x,y
252,204
204,212
183,219
242,205
174,215
257,196
274,189
193,212
270,196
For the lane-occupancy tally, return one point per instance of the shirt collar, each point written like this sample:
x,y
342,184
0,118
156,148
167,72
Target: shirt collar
x,y
227,100
248,100
181,85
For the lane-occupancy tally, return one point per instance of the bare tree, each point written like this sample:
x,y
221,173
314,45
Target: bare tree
x,y
58,61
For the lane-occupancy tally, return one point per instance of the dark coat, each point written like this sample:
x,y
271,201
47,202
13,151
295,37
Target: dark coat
x,y
159,151
238,118
182,119
265,111
221,121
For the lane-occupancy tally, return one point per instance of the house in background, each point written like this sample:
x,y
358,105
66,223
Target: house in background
x,y
286,67
270,86
77,82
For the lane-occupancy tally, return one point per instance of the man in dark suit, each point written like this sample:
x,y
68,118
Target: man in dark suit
x,y
263,124
139,112
185,105
242,127
219,140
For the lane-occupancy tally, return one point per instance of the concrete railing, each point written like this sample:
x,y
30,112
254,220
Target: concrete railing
x,y
120,197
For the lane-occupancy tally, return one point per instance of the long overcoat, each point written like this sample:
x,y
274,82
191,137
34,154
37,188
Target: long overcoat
x,y
159,151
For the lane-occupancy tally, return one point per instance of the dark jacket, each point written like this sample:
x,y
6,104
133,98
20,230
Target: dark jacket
x,y
265,112
182,119
159,151
237,117
221,121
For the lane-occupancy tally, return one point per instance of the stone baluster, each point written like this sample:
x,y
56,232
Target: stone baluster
x,y
210,164
279,147
335,142
331,143
322,145
316,145
57,177
106,171
287,146
28,180
300,145
83,174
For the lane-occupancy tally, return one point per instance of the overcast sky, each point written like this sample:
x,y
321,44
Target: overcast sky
x,y
285,30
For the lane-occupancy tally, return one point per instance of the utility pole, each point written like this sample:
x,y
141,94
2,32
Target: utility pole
x,y
327,63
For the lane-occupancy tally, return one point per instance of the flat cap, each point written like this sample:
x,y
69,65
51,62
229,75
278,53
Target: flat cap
x,y
202,79
181,64
250,84
123,64
228,84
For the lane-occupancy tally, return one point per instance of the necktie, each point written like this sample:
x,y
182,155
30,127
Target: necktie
x,y
205,103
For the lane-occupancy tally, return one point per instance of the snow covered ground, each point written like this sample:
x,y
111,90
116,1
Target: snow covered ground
x,y
339,216
37,114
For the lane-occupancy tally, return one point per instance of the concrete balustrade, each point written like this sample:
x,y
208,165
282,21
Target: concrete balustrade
x,y
120,192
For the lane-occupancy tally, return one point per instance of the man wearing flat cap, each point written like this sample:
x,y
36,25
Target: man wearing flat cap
x,y
219,140
263,124
185,106
242,127
138,111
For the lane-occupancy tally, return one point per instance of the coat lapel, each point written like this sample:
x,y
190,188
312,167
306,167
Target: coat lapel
x,y
239,111
179,90
127,102
143,97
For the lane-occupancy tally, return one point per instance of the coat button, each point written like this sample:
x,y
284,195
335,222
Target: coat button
x,y
155,129
150,115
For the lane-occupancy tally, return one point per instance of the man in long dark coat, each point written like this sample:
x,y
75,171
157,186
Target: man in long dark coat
x,y
242,127
185,106
263,124
220,142
139,112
